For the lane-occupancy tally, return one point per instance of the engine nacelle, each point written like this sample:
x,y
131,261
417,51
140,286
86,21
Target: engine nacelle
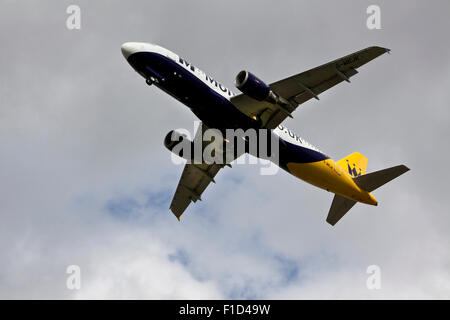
x,y
255,88
180,142
252,86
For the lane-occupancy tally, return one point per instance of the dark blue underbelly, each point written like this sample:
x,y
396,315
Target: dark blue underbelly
x,y
209,106
292,153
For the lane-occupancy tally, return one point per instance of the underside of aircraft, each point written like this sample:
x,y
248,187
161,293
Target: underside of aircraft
x,y
258,107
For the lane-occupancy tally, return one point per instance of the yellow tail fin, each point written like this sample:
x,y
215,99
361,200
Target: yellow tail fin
x,y
355,164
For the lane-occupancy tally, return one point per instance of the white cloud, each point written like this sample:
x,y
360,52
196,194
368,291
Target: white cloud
x,y
139,268
80,130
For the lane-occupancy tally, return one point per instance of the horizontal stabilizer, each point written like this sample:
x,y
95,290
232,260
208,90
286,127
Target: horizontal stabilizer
x,y
339,208
374,180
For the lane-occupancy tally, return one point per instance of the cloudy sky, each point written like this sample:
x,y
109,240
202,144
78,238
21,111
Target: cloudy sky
x,y
85,179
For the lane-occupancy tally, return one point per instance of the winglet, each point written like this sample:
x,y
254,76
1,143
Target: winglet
x,y
179,218
388,50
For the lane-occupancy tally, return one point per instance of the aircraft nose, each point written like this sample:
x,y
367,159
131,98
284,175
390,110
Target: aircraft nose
x,y
128,48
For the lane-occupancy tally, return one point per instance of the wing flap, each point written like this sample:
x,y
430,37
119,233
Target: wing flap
x,y
328,74
318,88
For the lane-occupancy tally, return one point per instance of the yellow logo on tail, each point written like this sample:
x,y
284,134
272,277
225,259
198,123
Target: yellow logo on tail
x,y
355,164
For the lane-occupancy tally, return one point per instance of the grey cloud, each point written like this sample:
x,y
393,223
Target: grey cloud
x,y
80,130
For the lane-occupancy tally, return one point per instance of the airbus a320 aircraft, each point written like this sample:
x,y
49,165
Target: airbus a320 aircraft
x,y
262,106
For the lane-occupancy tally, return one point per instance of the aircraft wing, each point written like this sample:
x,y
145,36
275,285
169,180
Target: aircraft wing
x,y
194,180
305,86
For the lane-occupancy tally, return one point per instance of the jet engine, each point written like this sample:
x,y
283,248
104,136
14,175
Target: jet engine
x,y
254,87
179,144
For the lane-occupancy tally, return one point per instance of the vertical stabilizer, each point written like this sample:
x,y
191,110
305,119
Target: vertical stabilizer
x,y
355,164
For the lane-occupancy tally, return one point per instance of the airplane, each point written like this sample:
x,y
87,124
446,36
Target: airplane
x,y
262,106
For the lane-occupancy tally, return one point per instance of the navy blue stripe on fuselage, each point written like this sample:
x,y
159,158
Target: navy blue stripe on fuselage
x,y
208,105
292,153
